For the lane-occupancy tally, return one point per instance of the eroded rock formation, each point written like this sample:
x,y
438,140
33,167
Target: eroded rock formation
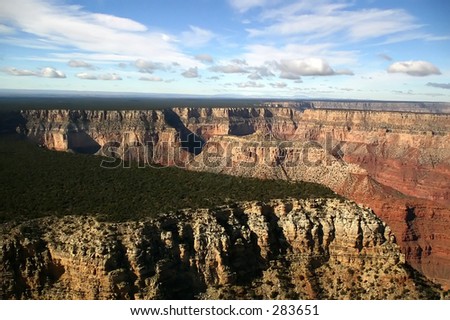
x,y
398,163
283,249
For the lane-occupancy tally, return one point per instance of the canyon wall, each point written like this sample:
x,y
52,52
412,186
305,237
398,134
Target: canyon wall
x,y
422,107
282,249
400,153
398,163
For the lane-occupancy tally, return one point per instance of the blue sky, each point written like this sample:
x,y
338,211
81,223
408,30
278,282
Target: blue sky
x,y
357,49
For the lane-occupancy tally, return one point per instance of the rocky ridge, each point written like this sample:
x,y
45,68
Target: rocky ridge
x,y
398,163
282,249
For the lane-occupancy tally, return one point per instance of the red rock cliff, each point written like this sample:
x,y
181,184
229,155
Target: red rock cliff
x,y
398,163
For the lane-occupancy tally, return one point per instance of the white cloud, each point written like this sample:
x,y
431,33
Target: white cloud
x,y
190,73
79,64
117,23
410,36
241,62
90,76
306,67
46,72
51,73
230,68
19,72
316,20
414,68
289,76
259,72
196,37
292,61
109,76
279,85
249,84
254,76
28,43
263,71
74,28
205,58
319,7
100,57
154,79
439,85
376,23
4,29
86,76
245,5
344,72
260,54
145,66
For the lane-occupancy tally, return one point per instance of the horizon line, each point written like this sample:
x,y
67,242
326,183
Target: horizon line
x,y
18,93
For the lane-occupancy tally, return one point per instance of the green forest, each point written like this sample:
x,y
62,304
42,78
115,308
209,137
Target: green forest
x,y
36,182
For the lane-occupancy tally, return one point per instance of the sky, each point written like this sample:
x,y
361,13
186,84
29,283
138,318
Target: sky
x,y
348,49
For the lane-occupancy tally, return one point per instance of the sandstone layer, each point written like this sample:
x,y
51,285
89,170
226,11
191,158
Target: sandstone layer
x,y
282,249
395,162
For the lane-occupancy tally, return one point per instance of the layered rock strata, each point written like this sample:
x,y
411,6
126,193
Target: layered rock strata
x,y
395,162
282,249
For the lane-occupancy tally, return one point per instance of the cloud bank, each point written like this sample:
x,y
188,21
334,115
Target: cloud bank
x,y
106,76
414,68
47,72
153,79
205,58
102,36
305,67
230,68
80,64
325,19
439,85
190,73
145,66
245,5
250,84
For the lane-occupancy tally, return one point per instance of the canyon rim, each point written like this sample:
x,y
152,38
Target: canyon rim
x,y
394,162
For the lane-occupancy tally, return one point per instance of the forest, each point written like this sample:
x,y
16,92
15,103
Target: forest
x,y
36,182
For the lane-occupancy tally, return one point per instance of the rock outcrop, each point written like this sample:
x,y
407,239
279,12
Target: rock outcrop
x,y
398,163
282,249
421,107
406,159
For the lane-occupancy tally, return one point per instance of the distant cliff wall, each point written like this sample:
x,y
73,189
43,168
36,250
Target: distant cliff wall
x,y
395,162
420,107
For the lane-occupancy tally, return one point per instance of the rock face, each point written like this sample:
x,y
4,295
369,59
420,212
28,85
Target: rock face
x,y
406,153
308,249
422,107
397,163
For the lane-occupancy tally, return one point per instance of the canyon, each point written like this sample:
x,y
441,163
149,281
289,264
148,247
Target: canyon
x,y
395,162
281,249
